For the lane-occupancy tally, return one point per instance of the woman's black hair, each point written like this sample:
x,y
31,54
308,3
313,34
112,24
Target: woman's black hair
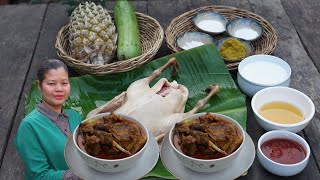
x,y
47,65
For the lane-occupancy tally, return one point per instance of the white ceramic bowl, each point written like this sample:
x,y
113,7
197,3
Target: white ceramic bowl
x,y
283,94
212,165
210,22
261,71
278,168
191,40
116,165
245,28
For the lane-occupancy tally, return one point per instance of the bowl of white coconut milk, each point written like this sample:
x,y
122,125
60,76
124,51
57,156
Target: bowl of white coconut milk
x,y
261,71
210,22
191,40
244,28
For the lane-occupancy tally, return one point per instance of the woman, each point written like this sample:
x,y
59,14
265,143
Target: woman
x,y
42,134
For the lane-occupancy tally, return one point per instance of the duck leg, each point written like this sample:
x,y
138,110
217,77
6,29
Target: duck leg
x,y
172,62
110,106
211,90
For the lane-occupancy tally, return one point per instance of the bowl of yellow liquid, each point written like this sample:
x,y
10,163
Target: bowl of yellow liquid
x,y
282,108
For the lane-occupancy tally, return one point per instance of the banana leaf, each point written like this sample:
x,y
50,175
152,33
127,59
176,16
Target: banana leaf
x,y
199,68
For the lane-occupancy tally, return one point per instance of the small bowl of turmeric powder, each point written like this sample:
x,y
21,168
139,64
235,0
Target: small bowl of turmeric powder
x,y
234,49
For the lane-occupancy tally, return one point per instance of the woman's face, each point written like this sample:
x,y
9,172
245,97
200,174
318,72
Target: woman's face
x,y
55,88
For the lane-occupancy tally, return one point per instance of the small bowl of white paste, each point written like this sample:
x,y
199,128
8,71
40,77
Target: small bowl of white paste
x,y
191,40
210,22
261,71
244,28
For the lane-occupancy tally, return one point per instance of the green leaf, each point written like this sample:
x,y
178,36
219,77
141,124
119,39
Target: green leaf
x,y
160,171
199,68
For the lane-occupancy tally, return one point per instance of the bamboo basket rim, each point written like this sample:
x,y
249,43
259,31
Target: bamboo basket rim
x,y
148,50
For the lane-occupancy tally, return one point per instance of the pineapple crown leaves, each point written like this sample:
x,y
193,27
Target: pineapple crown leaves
x,y
72,4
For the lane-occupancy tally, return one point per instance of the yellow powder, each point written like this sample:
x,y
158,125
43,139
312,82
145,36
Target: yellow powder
x,y
232,49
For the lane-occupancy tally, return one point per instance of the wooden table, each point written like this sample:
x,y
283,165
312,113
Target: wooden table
x,y
28,33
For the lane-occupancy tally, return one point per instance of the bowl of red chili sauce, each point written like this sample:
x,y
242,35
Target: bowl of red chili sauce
x,y
283,153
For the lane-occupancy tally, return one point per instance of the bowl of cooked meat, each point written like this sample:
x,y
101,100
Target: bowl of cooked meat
x,y
110,142
207,142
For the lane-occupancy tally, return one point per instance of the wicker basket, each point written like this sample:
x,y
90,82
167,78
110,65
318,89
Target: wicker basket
x,y
151,39
183,23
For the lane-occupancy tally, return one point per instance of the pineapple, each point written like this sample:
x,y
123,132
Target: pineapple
x,y
92,34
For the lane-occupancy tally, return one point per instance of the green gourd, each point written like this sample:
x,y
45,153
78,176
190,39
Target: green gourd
x,y
129,45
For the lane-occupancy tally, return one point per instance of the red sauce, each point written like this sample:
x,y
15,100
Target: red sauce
x,y
283,151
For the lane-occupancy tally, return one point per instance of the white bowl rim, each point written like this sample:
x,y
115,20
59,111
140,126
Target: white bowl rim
x,y
307,148
109,160
304,121
208,160
264,55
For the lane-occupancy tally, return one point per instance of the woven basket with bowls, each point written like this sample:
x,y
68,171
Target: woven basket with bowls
x,y
151,34
184,23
